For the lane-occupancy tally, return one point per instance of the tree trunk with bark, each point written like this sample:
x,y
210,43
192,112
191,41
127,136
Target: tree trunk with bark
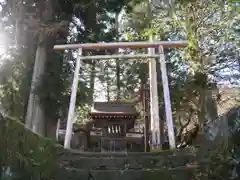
x,y
35,113
92,81
145,103
108,82
117,60
161,112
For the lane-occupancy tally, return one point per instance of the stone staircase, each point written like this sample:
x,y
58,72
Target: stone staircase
x,y
167,165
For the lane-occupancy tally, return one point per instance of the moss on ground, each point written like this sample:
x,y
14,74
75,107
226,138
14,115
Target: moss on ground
x,y
26,155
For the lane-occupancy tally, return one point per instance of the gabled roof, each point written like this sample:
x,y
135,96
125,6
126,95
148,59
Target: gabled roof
x,y
113,109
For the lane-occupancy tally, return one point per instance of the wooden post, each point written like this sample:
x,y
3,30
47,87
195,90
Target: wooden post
x,y
167,101
71,111
154,109
146,118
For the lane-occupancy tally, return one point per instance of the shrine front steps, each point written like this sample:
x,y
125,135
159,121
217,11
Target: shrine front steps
x,y
128,174
166,165
130,161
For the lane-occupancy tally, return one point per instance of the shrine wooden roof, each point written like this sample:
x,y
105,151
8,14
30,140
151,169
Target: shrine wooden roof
x,y
113,109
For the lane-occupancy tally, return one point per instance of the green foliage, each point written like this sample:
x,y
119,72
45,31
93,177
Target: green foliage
x,y
27,155
15,82
82,113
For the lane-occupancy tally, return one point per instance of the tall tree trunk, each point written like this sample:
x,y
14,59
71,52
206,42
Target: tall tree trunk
x,y
18,16
161,111
3,147
108,82
92,81
239,64
146,106
117,61
29,69
35,113
202,109
118,79
211,106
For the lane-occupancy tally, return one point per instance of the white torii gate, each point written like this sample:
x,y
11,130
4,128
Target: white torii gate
x,y
152,75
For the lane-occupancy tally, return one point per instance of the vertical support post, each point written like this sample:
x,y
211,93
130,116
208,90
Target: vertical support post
x,y
146,118
167,101
101,144
71,111
154,109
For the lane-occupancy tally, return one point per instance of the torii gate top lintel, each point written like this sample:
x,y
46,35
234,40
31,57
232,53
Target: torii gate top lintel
x,y
131,45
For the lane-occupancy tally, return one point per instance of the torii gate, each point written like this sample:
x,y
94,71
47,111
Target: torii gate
x,y
155,131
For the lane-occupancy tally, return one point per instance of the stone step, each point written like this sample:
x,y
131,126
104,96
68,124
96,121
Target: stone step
x,y
129,161
72,152
182,173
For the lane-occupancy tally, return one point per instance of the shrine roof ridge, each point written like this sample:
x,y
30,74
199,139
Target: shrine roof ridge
x,y
113,108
